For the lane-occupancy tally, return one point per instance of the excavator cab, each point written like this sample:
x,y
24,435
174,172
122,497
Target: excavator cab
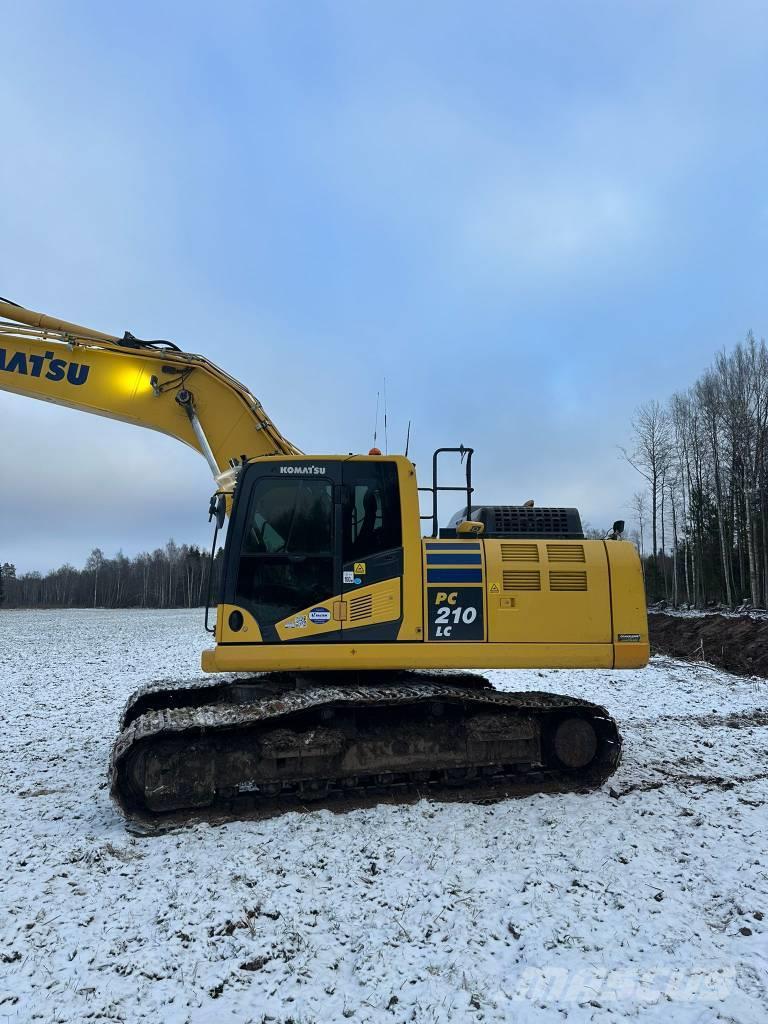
x,y
316,551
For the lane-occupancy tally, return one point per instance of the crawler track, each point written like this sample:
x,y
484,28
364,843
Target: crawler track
x,y
275,742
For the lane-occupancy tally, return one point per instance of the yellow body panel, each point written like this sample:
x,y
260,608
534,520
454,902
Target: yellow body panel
x,y
250,633
629,617
366,606
412,625
548,592
403,656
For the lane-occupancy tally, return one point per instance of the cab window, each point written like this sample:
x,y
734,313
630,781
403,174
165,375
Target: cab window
x,y
371,519
290,517
286,561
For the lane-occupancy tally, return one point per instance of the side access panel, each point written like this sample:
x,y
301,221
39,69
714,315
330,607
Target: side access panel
x,y
555,592
630,619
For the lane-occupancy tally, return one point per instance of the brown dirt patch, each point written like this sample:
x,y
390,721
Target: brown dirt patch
x,y
738,645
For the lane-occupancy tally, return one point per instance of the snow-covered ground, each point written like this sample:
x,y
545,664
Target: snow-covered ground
x,y
648,904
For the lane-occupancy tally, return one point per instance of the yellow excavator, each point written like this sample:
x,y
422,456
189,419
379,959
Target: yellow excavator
x,y
342,617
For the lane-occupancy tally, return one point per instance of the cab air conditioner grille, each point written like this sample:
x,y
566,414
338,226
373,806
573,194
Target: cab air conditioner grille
x,y
361,608
565,552
563,579
519,552
521,579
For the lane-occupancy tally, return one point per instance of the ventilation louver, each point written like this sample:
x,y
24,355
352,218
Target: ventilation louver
x,y
565,552
519,552
521,579
569,580
361,608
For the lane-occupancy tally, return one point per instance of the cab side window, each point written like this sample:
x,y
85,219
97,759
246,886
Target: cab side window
x,y
371,518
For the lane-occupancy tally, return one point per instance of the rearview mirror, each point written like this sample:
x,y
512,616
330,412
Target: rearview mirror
x,y
218,510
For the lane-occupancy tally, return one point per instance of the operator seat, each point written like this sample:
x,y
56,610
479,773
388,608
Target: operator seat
x,y
366,538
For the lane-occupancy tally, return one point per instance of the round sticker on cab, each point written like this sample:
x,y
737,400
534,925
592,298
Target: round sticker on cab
x,y
319,616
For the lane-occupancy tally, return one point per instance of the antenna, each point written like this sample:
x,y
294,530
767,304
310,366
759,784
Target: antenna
x,y
386,439
376,421
407,438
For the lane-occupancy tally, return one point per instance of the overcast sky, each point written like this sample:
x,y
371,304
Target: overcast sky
x,y
529,218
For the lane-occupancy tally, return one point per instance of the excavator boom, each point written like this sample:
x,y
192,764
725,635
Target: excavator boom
x,y
150,384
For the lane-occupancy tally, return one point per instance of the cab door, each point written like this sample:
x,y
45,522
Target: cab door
x,y
371,551
288,564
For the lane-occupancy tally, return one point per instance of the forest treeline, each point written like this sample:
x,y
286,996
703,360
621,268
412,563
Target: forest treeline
x,y
702,512
175,576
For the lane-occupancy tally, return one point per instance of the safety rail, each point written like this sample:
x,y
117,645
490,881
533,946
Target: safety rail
x,y
435,489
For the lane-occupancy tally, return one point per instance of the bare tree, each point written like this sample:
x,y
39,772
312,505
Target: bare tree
x,y
708,393
743,378
639,508
650,456
94,565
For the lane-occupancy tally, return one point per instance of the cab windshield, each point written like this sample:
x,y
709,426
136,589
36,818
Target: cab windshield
x,y
290,517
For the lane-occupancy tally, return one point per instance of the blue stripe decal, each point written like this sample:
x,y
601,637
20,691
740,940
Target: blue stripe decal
x,y
462,545
454,558
454,576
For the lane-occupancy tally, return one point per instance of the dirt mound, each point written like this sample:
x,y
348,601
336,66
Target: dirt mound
x,y
739,645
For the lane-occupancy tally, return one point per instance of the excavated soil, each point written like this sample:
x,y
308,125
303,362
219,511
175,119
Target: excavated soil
x,y
738,645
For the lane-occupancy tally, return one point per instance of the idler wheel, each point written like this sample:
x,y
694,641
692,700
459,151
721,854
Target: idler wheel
x,y
574,742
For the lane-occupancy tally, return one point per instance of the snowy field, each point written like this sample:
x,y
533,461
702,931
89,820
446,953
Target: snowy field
x,y
645,904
